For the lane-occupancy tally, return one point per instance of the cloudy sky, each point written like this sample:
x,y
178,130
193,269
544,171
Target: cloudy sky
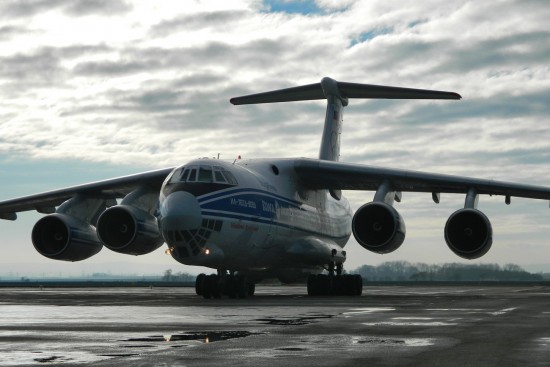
x,y
91,89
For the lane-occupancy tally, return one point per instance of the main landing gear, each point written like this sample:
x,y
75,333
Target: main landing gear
x,y
335,283
224,284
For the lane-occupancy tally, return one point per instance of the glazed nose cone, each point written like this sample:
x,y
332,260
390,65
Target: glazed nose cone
x,y
180,211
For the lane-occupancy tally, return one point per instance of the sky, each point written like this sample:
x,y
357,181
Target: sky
x,y
93,89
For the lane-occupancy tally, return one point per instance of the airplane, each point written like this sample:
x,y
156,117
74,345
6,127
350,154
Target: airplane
x,y
260,218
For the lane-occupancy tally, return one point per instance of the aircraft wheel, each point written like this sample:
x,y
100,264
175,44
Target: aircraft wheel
x,y
199,284
211,287
241,286
216,286
251,288
207,287
358,285
230,287
318,285
312,285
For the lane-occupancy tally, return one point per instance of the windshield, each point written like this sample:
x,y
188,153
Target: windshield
x,y
203,173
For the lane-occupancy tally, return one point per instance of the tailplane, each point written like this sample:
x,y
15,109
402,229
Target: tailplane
x,y
337,95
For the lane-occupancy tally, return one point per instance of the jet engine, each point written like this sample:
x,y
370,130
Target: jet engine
x,y
468,233
378,227
63,237
129,230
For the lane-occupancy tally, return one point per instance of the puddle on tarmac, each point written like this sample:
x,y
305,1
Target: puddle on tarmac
x,y
77,351
503,311
293,321
205,337
47,359
367,310
409,323
407,342
291,349
54,358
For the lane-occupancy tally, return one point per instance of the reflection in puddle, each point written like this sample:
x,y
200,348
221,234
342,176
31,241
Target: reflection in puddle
x,y
205,337
457,309
294,321
367,310
47,359
502,312
409,323
26,358
407,342
292,349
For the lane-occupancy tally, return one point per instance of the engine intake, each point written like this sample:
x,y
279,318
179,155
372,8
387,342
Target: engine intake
x,y
63,237
468,233
128,230
378,227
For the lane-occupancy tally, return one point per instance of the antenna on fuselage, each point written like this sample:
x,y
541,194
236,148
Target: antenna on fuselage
x,y
337,95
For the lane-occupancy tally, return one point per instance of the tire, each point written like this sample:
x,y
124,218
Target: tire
x,y
358,285
251,289
241,286
312,288
199,284
215,288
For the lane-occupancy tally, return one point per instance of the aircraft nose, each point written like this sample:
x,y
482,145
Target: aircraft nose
x,y
180,211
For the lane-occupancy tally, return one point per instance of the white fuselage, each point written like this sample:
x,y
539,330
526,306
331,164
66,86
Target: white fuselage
x,y
250,220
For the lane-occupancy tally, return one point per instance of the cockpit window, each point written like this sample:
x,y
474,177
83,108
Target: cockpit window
x,y
192,175
176,176
203,173
230,178
218,177
185,175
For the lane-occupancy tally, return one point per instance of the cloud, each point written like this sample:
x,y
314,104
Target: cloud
x,y
219,19
30,8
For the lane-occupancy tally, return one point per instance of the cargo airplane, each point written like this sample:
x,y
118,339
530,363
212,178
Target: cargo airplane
x,y
253,219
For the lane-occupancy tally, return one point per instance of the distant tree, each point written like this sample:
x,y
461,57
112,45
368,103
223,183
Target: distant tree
x,y
170,276
403,271
513,268
167,277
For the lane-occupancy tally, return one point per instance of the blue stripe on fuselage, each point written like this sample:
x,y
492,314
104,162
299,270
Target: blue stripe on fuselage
x,y
249,202
216,194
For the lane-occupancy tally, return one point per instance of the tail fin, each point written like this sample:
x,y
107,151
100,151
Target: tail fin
x,y
337,95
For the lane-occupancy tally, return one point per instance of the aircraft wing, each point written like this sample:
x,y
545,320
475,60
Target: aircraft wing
x,y
319,174
107,189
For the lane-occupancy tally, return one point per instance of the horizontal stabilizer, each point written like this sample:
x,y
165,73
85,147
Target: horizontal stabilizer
x,y
344,90
302,93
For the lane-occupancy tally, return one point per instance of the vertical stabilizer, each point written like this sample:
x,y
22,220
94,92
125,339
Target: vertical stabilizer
x,y
330,142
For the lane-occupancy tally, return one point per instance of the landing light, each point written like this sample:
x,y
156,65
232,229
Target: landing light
x,y
207,251
168,251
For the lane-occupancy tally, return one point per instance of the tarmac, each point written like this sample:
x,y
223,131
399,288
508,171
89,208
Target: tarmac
x,y
279,326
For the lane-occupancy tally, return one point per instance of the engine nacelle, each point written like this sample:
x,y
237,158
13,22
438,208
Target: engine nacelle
x,y
129,230
468,233
378,227
63,237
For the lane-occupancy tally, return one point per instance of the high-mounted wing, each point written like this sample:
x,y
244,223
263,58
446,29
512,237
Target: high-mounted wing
x,y
378,227
318,174
106,189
